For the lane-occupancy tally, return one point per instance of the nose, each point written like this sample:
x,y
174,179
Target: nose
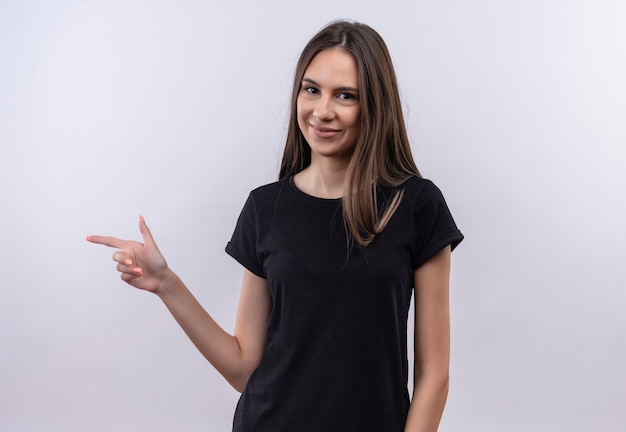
x,y
323,109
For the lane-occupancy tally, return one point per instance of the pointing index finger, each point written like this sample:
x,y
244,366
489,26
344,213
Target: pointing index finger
x,y
106,240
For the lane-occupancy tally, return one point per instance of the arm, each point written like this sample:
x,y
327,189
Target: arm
x,y
234,356
432,343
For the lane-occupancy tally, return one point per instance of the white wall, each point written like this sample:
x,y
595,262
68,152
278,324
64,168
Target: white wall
x,y
109,109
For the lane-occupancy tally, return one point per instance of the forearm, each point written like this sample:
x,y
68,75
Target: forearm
x,y
429,399
221,349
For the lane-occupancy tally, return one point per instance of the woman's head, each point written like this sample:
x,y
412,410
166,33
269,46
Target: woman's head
x,y
328,105
382,129
381,153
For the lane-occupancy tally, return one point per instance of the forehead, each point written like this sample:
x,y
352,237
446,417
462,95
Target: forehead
x,y
333,65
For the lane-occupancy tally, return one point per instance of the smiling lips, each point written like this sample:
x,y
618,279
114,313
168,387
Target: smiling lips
x,y
324,132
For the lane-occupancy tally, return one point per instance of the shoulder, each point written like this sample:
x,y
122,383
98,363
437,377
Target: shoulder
x,y
418,190
433,224
269,187
264,198
259,204
268,190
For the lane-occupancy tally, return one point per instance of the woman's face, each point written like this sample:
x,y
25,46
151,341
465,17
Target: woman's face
x,y
328,104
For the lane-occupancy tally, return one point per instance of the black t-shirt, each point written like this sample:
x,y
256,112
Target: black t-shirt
x,y
335,359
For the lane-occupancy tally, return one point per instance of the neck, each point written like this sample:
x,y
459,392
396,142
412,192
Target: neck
x,y
323,178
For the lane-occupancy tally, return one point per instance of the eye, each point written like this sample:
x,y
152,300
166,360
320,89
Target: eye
x,y
310,90
346,96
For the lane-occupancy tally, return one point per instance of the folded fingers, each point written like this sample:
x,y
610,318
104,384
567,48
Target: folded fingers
x,y
122,257
125,265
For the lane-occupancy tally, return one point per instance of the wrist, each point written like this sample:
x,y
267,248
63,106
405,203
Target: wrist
x,y
168,285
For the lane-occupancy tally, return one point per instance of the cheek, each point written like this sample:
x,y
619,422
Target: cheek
x,y
302,103
299,112
301,116
355,121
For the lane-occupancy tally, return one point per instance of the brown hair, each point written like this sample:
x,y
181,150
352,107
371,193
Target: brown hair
x,y
382,154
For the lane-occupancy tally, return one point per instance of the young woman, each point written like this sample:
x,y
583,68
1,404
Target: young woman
x,y
332,253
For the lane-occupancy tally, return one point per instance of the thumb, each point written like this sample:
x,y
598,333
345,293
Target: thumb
x,y
145,232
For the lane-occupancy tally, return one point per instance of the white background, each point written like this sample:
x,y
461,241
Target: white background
x,y
176,109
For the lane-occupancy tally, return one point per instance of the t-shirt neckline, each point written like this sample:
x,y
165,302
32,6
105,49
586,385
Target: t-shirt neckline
x,y
329,201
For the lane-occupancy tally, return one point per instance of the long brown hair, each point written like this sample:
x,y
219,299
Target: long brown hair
x,y
382,155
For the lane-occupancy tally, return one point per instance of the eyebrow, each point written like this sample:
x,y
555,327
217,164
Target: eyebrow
x,y
342,88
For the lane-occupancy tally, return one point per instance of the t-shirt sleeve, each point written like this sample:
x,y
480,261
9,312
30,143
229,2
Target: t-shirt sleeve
x,y
434,226
243,245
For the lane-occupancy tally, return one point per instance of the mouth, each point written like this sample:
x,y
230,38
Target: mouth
x,y
324,132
